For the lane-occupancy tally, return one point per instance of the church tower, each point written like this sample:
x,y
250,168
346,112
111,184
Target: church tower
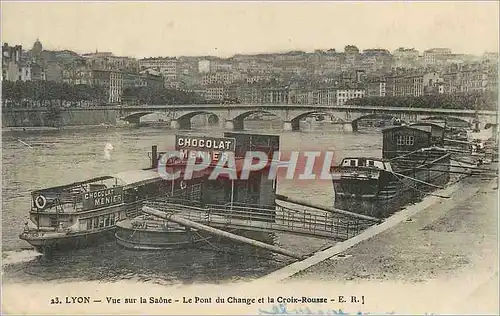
x,y
37,49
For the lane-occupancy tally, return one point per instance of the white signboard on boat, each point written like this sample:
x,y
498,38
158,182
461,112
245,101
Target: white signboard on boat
x,y
101,198
204,143
211,148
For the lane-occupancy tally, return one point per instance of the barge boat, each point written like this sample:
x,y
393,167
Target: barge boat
x,y
200,193
85,213
413,163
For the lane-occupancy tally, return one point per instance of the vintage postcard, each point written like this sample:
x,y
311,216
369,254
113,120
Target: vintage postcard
x,y
249,158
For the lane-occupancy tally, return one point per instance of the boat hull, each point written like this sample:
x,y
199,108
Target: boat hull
x,y
388,199
46,242
51,239
391,190
155,238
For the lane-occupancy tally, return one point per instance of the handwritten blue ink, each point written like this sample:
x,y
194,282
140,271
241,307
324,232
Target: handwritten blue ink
x,y
281,309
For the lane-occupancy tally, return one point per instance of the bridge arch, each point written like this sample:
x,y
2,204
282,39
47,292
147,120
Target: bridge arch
x,y
136,117
246,114
184,121
372,116
451,121
237,122
294,123
309,113
213,120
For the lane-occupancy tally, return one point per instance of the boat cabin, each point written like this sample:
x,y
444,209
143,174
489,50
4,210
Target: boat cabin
x,y
98,202
437,131
366,162
254,142
400,140
201,188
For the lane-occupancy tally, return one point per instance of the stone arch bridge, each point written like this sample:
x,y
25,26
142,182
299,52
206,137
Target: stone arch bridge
x,y
232,116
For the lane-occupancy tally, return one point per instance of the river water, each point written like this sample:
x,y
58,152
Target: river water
x,y
37,159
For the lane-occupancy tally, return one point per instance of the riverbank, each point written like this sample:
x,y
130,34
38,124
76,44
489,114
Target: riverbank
x,y
437,241
77,127
46,128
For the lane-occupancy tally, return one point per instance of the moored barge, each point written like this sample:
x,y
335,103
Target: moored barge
x,y
85,213
413,163
199,193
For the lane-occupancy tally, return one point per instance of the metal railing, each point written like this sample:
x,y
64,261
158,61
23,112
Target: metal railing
x,y
316,224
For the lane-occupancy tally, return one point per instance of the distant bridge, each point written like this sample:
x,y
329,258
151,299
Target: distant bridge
x,y
232,116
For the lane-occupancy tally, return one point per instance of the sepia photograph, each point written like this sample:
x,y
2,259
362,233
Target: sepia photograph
x,y
249,157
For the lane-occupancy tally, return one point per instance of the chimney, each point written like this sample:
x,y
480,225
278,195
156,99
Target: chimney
x,y
154,156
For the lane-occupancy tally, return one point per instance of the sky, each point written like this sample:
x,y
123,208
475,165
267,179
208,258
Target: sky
x,y
148,29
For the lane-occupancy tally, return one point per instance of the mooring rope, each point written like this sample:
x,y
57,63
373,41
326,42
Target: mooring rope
x,y
133,233
424,192
407,154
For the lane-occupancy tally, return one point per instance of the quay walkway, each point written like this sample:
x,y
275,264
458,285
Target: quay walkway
x,y
449,247
320,224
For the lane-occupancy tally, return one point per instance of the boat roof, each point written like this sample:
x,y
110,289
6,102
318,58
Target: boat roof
x,y
137,177
367,158
127,178
425,128
429,123
74,184
391,128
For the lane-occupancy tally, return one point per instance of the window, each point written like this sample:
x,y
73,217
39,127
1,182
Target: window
x,y
353,163
101,221
401,140
410,140
106,220
112,219
89,224
96,222
83,224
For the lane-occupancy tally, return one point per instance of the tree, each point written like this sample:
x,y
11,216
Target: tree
x,y
150,95
7,90
466,101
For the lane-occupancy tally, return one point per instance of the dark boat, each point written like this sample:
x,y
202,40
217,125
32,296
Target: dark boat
x,y
412,165
199,193
85,213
